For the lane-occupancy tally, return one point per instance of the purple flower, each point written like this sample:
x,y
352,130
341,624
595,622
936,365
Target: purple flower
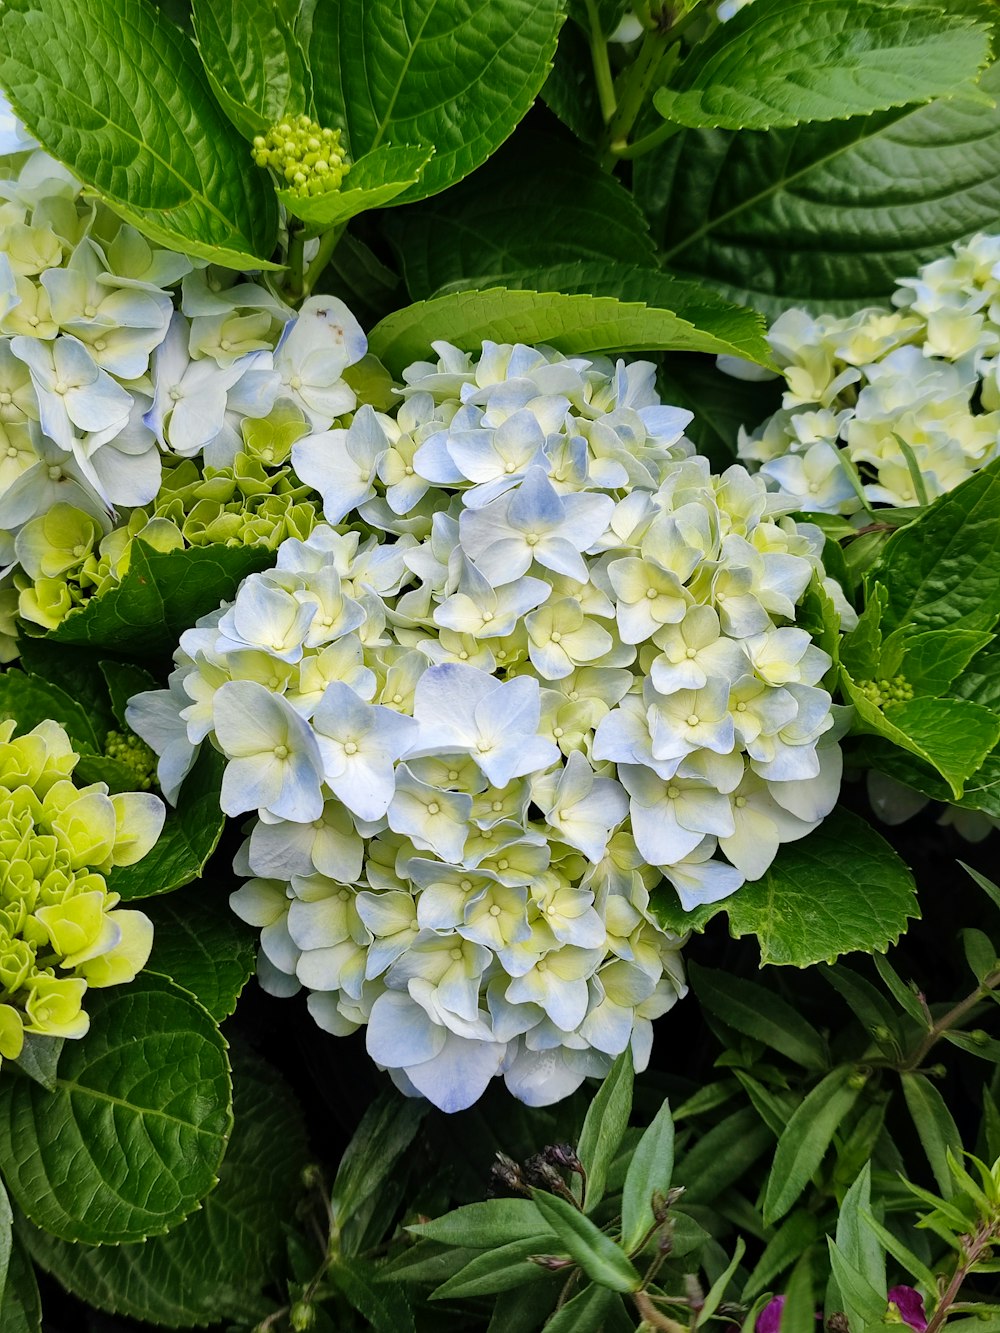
x,y
769,1319
907,1301
910,1305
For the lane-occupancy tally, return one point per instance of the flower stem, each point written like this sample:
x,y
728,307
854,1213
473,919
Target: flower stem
x,y
602,65
947,1021
327,245
296,261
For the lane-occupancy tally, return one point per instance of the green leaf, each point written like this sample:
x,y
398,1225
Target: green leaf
x,y
160,597
759,1013
914,1266
840,889
826,215
131,1139
6,1240
483,1226
214,1266
866,1002
649,1172
806,1138
117,93
605,1125
39,1059
980,682
123,679
383,1304
980,953
572,321
597,1254
78,674
855,1239
788,61
954,736
22,1306
30,700
864,1306
713,1297
587,1312
935,1126
944,569
254,62
799,1311
385,1133
904,994
722,1155
721,404
578,212
932,661
793,1237
502,1269
190,835
201,944
374,181
422,71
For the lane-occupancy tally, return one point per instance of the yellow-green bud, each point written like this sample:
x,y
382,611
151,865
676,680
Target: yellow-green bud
x,y
306,156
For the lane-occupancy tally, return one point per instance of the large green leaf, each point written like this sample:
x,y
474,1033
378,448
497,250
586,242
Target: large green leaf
x,y
553,306
806,1138
374,181
649,1173
596,1253
161,596
22,1306
214,1266
781,62
457,79
944,569
30,700
953,735
841,888
481,227
131,1139
190,835
604,1127
827,215
118,93
253,60
202,945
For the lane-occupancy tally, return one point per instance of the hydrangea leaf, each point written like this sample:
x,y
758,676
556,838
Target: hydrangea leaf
x,y
419,71
117,92
131,1139
934,659
161,596
779,63
213,1267
77,674
954,736
6,1240
30,700
22,1305
579,212
39,1058
826,215
201,944
190,835
840,889
944,569
574,323
123,680
254,61
374,181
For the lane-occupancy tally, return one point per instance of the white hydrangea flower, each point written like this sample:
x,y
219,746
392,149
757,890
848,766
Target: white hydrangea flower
x,y
543,661
902,404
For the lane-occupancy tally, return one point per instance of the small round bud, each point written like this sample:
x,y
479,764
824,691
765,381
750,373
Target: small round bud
x,y
302,1316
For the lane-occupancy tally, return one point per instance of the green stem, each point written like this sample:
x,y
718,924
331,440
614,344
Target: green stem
x,y
602,65
296,262
648,141
947,1021
327,245
635,86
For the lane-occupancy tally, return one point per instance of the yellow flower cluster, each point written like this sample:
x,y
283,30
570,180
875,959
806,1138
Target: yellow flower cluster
x,y
307,157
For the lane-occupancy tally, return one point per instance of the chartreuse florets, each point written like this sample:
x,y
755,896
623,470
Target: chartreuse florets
x,y
127,748
307,156
883,693
61,930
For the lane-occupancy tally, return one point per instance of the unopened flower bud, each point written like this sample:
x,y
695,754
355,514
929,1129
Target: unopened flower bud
x,y
302,1316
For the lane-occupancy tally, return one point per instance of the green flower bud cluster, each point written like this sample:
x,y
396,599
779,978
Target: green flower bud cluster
x,y
60,928
307,157
66,557
884,693
128,749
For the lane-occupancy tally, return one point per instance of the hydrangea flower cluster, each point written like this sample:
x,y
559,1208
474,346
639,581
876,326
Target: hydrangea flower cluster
x,y
897,406
307,157
61,930
114,354
537,658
